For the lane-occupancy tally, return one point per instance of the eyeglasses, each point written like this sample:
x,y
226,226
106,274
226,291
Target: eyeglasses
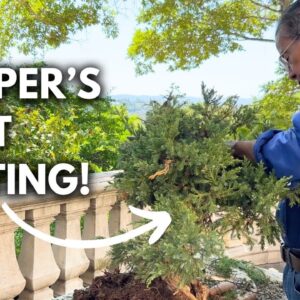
x,y
284,62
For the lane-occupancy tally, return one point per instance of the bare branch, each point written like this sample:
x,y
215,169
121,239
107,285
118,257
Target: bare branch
x,y
249,38
260,18
266,6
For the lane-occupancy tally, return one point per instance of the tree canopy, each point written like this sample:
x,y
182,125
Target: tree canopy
x,y
37,24
184,33
181,33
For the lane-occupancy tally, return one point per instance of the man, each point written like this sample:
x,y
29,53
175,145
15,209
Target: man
x,y
280,150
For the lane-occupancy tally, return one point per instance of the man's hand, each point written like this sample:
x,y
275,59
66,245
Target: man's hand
x,y
241,149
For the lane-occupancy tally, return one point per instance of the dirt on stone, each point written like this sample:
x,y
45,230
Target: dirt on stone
x,y
123,286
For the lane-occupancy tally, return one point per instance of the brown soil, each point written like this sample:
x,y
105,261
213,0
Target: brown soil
x,y
123,286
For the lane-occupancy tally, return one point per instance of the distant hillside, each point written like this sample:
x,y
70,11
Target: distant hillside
x,y
139,104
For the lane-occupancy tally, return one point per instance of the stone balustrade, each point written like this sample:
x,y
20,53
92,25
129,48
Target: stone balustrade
x,y
41,270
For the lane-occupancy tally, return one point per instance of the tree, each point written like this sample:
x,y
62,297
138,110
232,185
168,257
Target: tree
x,y
274,109
280,100
178,162
184,33
70,130
37,24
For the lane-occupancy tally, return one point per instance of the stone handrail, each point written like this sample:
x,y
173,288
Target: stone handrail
x,y
42,270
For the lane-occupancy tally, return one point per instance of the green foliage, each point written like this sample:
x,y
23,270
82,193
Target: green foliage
x,y
18,240
225,266
37,24
202,168
230,295
184,33
70,130
280,100
20,232
176,253
206,191
273,109
181,33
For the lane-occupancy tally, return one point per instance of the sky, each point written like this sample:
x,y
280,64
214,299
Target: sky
x,y
238,73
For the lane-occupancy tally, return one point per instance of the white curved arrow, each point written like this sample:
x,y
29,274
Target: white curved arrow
x,y
160,219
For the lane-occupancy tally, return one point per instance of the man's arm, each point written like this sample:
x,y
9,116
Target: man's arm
x,y
241,149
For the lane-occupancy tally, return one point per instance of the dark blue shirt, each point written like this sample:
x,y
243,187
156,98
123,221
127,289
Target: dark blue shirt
x,y
280,150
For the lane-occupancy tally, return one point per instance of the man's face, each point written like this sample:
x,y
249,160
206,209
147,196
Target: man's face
x,y
289,49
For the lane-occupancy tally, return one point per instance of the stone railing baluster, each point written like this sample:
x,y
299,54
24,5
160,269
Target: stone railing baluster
x,y
72,262
36,258
12,282
96,224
